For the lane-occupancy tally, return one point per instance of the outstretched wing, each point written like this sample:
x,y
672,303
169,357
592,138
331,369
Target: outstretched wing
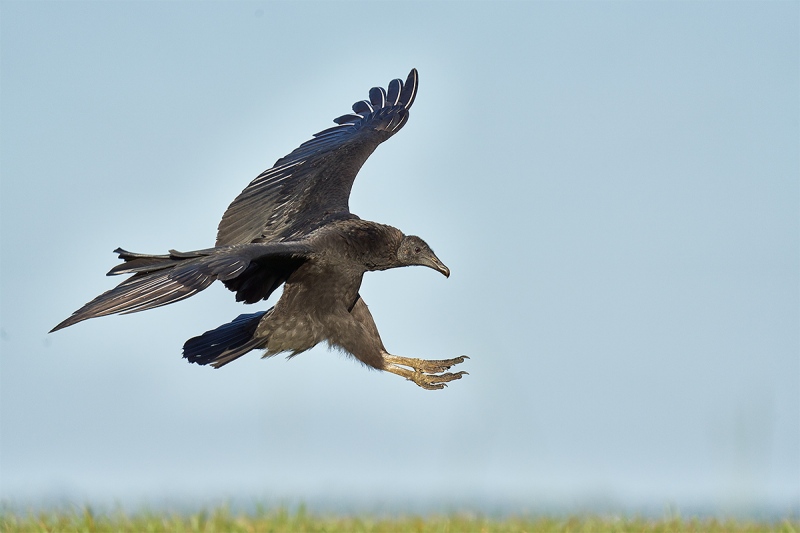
x,y
311,186
252,271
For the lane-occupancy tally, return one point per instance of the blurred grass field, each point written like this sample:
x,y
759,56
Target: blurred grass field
x,y
282,521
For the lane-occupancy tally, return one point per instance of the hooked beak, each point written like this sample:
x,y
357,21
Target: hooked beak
x,y
438,266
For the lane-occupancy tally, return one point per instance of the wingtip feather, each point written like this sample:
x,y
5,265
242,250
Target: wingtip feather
x,y
377,97
409,92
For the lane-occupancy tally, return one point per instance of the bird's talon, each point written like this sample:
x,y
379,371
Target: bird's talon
x,y
428,374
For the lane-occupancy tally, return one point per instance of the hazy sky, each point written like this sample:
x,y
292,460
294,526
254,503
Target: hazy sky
x,y
614,185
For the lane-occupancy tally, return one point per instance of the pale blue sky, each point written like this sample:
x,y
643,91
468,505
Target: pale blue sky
x,y
614,185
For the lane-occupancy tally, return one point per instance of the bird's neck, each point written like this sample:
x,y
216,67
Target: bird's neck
x,y
372,245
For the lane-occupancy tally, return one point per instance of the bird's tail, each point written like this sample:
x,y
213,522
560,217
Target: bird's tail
x,y
230,341
157,280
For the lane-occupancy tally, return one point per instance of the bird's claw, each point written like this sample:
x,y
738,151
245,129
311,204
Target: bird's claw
x,y
435,381
429,374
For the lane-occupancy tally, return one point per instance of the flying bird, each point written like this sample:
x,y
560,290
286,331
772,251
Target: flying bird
x,y
292,226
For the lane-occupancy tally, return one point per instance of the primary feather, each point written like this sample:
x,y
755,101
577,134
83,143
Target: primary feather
x,y
311,186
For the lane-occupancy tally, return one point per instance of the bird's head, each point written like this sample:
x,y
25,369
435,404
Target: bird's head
x,y
415,251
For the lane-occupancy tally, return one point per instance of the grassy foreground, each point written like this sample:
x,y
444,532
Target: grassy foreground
x,y
284,522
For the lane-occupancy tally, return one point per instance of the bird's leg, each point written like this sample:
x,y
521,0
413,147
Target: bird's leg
x,y
429,366
428,374
364,342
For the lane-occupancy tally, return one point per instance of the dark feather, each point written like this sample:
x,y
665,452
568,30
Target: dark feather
x,y
409,90
393,93
349,118
363,107
225,343
255,269
310,187
138,293
377,96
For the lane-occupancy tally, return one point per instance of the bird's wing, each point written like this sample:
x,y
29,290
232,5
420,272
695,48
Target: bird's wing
x,y
252,271
311,186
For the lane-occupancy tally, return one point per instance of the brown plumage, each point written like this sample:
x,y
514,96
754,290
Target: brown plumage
x,y
292,226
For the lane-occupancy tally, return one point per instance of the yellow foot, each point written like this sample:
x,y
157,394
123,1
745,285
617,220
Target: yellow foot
x,y
428,374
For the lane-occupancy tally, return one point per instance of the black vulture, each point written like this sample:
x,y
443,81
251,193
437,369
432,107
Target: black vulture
x,y
292,225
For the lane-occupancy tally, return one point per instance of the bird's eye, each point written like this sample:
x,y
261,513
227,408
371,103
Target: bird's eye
x,y
417,250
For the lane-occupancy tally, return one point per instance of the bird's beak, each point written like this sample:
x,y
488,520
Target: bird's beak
x,y
439,266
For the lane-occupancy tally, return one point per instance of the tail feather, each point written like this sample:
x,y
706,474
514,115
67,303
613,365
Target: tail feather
x,y
229,341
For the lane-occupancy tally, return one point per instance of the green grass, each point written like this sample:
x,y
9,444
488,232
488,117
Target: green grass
x,y
281,521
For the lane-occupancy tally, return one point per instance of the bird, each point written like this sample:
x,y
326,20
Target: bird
x,y
292,227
